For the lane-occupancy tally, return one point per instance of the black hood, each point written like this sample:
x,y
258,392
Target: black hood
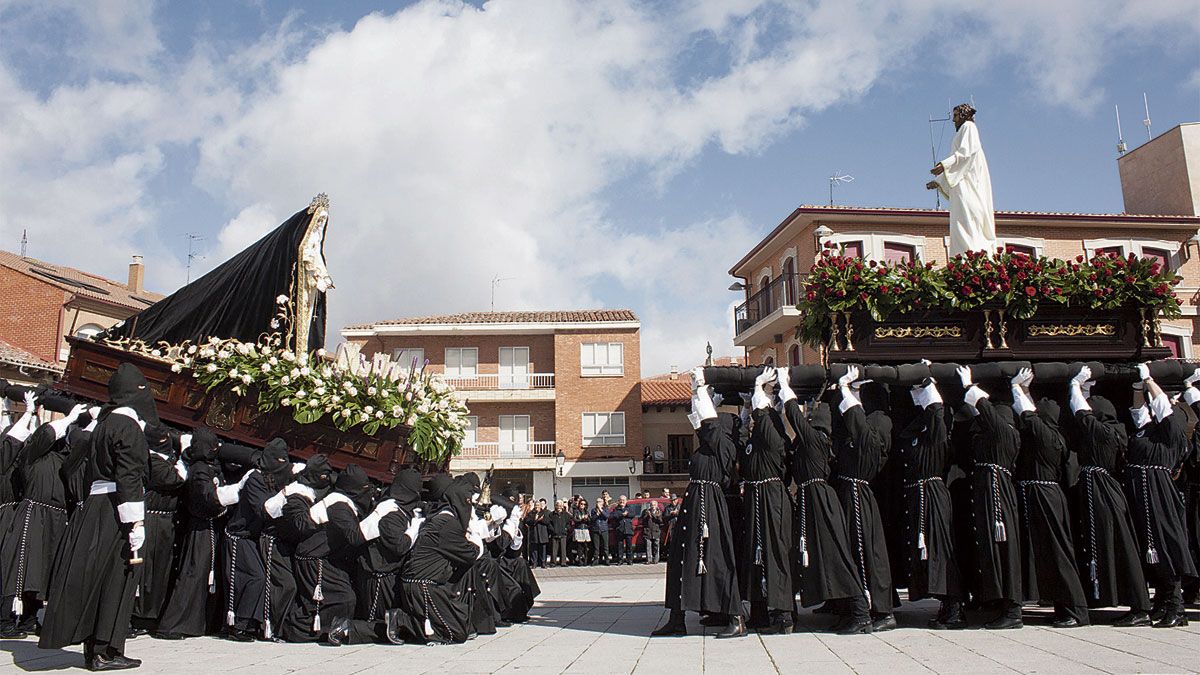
x,y
355,484
317,473
1103,409
204,446
821,418
275,463
457,497
1049,412
406,488
128,388
158,437
880,428
438,485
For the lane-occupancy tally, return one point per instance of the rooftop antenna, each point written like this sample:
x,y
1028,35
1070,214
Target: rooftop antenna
x,y
1121,147
838,177
192,255
496,280
933,146
24,242
1146,102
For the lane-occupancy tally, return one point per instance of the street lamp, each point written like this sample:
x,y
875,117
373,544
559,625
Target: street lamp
x,y
632,466
560,461
822,233
737,286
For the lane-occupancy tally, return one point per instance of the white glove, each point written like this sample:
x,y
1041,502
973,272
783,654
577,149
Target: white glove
x,y
697,378
181,469
1193,378
414,525
759,398
1082,376
702,407
228,495
385,507
851,375
60,426
497,513
1023,377
1143,370
927,395
513,525
274,504
783,377
30,399
767,376
245,477
1022,403
964,375
137,537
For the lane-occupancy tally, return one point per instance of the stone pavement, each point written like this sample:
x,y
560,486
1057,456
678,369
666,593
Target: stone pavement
x,y
597,621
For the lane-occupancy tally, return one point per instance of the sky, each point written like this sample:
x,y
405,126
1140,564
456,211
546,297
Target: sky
x,y
589,154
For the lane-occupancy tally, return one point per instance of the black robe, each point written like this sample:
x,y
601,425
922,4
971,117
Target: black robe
x,y
10,449
1106,544
195,605
997,531
929,510
766,547
322,568
825,563
701,565
1155,452
38,523
861,453
516,587
1050,569
241,558
93,583
434,608
163,487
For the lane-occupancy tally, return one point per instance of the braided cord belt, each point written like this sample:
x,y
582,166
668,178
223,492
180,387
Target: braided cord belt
x,y
267,632
922,551
999,533
704,485
429,606
759,536
1144,484
1025,485
18,606
804,519
1089,472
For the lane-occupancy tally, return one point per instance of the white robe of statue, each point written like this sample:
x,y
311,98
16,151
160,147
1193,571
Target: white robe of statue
x,y
967,184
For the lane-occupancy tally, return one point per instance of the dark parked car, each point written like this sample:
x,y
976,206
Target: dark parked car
x,y
635,509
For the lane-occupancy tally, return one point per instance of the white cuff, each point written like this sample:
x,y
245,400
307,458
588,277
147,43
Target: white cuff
x,y
297,467
21,430
926,396
228,495
60,427
185,441
339,498
274,505
131,414
786,393
1021,401
1078,400
1191,395
369,526
849,400
318,513
518,540
1161,407
974,395
298,488
1141,416
131,512
702,408
760,399
181,469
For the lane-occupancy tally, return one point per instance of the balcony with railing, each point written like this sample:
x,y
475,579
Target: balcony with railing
x,y
504,386
665,467
768,311
507,455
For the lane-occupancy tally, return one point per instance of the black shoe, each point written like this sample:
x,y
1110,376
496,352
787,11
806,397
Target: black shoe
x,y
136,632
339,632
118,662
777,628
715,620
885,622
736,628
1133,620
1067,622
827,608
669,629
126,662
1174,619
166,636
946,624
856,627
237,635
1004,623
14,633
392,619
1158,613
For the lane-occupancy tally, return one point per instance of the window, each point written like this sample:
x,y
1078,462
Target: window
x,y
1030,246
794,355
1175,344
883,246
789,284
1178,339
1163,252
471,432
895,252
603,429
514,436
602,358
462,362
1018,248
405,355
514,368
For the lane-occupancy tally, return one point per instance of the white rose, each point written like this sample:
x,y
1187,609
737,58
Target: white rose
x,y
301,394
285,380
371,391
363,417
327,372
265,368
273,361
274,323
368,409
212,368
352,391
295,372
192,349
247,379
288,356
176,368
321,352
285,402
233,372
312,403
379,415
305,371
396,410
335,398
346,413
408,396
281,300
223,354
319,391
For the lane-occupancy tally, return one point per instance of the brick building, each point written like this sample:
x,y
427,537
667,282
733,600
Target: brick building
x,y
41,303
554,397
1155,177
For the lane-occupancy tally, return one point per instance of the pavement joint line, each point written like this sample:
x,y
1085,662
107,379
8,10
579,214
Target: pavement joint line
x,y
1083,639
946,638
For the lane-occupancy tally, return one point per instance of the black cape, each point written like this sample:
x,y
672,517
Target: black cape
x,y
862,451
929,516
766,547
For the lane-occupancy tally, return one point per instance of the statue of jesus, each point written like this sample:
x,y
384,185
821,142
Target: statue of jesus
x,y
964,179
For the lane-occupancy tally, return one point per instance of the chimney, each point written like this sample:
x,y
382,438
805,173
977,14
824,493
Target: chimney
x,y
674,372
137,275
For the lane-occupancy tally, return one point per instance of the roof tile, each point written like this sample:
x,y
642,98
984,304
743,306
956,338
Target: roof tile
x,y
564,316
664,392
79,282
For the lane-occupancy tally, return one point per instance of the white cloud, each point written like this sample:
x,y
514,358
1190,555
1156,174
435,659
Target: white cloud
x,y
461,143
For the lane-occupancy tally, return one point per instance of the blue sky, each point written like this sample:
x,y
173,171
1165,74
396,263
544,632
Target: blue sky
x,y
618,154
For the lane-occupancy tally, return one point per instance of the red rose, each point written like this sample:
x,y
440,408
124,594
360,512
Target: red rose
x,y
840,293
863,295
975,279
856,278
1098,293
812,296
967,290
1030,291
885,289
873,263
881,271
1004,287
1078,258
1129,279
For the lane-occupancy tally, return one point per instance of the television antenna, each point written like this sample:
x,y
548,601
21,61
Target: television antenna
x,y
24,242
1121,147
192,255
496,281
1146,102
838,177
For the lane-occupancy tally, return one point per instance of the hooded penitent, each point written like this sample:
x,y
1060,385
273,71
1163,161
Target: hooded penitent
x,y
406,488
275,464
128,388
355,484
317,474
204,446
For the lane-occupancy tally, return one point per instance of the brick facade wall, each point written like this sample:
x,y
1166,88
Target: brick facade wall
x,y
577,394
541,349
30,314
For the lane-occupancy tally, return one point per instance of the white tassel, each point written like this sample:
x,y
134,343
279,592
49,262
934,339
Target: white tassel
x,y
318,595
704,530
267,631
1001,532
921,546
317,622
212,582
758,556
229,619
1152,555
804,551
702,569
18,606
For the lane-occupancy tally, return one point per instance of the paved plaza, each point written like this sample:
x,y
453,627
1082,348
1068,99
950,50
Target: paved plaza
x,y
597,621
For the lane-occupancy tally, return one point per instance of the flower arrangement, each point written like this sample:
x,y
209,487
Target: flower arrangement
x,y
351,391
1018,282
